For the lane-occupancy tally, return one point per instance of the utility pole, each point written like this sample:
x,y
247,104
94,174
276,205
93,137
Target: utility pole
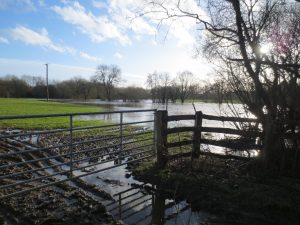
x,y
47,81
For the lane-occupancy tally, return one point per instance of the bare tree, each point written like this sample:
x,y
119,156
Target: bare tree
x,y
152,83
184,81
165,82
81,87
108,76
159,84
132,94
14,87
173,91
32,80
97,86
255,46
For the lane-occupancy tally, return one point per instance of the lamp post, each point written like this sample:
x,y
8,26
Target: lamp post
x,y
47,81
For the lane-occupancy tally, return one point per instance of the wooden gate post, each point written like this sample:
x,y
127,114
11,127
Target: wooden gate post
x,y
197,135
161,125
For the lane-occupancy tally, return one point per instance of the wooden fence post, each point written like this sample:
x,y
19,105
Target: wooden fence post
x,y
197,135
161,125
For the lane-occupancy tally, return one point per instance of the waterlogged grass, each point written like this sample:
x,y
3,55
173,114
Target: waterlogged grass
x,y
11,107
135,132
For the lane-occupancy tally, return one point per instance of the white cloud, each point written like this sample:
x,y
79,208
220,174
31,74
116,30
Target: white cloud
x,y
41,38
70,50
3,40
183,35
181,29
126,19
118,55
89,57
98,28
37,68
122,16
32,37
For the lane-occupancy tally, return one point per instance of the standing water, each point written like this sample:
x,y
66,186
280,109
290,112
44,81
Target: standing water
x,y
133,201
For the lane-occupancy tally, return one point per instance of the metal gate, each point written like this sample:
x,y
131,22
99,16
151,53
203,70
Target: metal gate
x,y
68,146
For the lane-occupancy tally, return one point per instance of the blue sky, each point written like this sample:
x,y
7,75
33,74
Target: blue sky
x,y
75,36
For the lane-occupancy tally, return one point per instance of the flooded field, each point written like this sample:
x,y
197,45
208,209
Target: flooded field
x,y
173,109
138,203
135,202
130,201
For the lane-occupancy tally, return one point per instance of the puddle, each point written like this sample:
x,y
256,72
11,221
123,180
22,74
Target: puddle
x,y
138,206
139,203
133,201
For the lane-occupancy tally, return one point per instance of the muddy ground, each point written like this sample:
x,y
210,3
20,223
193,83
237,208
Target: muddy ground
x,y
226,189
61,204
72,202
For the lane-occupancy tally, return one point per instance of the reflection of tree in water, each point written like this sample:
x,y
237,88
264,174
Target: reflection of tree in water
x,y
151,206
128,207
158,208
107,116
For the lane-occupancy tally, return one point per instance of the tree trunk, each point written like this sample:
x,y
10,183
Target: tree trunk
x,y
182,100
273,150
108,94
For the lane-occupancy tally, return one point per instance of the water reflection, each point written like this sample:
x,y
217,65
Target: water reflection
x,y
158,209
150,205
134,202
173,109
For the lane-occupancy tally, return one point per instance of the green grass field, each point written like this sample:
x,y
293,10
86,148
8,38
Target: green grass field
x,y
9,107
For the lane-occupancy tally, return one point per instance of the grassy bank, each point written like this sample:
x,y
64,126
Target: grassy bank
x,y
9,107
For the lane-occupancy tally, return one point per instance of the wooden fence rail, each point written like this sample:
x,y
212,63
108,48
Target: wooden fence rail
x,y
181,117
162,132
231,131
229,119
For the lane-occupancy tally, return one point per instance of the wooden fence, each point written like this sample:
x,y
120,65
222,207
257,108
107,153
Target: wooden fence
x,y
162,132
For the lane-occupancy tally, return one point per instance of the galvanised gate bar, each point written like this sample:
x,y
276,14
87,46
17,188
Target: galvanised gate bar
x,y
33,159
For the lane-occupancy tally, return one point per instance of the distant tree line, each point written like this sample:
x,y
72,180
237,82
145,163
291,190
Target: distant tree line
x,y
163,88
100,86
103,85
185,87
75,88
